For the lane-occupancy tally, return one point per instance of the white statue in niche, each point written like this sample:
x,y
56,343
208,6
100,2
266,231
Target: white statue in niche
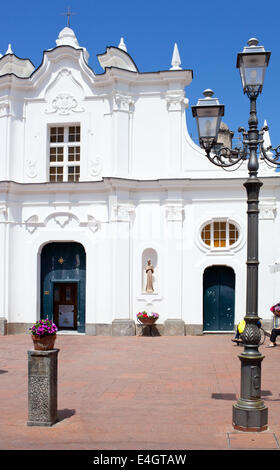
x,y
149,271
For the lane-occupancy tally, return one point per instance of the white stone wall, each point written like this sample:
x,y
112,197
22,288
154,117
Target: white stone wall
x,y
145,189
116,227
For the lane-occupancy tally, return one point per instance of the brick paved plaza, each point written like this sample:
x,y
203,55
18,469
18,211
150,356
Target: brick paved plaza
x,y
146,393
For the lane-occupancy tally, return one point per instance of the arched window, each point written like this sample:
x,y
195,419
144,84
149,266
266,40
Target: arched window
x,y
219,234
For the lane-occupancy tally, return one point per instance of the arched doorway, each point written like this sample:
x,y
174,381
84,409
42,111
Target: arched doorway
x,y
218,298
63,281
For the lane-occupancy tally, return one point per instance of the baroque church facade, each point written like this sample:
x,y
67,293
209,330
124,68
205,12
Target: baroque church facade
x,y
99,179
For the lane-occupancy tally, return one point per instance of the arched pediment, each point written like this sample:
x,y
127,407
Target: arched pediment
x,y
64,94
63,68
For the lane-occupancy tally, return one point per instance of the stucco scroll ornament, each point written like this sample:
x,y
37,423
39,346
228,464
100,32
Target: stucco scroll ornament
x,y
64,104
268,211
174,212
3,213
123,102
32,223
123,212
95,166
30,168
4,108
176,101
62,219
91,223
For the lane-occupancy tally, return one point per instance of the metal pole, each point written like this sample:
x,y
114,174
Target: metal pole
x,y
250,412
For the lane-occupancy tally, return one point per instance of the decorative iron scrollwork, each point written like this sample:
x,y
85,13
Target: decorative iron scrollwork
x,y
226,157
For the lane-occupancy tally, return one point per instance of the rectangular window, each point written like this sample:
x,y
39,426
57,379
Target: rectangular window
x,y
64,154
57,134
74,134
73,173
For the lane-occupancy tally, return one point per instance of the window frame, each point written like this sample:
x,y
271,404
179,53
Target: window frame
x,y
66,144
219,248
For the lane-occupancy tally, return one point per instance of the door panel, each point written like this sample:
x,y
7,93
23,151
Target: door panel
x,y
65,306
218,298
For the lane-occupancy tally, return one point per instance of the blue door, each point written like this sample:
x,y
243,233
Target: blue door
x,y
63,284
218,298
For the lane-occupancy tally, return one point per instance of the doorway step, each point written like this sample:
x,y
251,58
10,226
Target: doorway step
x,y
69,332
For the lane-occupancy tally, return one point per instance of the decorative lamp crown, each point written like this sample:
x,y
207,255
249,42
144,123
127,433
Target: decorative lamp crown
x,y
252,64
208,113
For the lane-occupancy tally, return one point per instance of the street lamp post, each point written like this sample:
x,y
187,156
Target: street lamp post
x,y
250,412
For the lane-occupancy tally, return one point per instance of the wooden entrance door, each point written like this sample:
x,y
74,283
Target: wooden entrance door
x,y
65,305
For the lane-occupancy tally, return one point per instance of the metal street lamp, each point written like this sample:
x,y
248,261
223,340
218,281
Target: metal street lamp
x,y
250,412
208,113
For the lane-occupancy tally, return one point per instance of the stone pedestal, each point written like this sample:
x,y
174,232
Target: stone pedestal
x,y
3,326
123,328
174,327
42,387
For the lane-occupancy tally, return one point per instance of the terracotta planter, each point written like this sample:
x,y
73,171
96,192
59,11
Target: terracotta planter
x,y
148,321
43,343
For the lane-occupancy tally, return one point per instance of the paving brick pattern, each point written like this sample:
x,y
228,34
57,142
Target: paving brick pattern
x,y
139,393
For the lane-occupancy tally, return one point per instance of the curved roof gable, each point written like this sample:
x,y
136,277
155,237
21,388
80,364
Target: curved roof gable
x,y
11,64
116,57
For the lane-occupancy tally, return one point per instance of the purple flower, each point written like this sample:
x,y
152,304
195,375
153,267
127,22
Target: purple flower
x,y
44,328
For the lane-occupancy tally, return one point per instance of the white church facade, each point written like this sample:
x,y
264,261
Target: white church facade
x,y
98,175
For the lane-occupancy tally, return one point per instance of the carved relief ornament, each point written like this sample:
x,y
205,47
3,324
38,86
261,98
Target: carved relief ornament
x,y
62,220
122,102
95,166
123,212
30,168
64,104
4,108
176,101
174,212
267,211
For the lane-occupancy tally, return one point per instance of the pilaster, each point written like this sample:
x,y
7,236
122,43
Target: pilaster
x,y
123,105
121,219
174,225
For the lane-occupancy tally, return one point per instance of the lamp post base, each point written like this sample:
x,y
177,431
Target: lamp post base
x,y
254,420
250,412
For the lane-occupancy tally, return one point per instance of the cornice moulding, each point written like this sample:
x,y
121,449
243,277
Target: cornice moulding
x,y
183,76
112,183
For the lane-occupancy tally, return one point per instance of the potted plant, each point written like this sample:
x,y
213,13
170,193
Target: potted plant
x,y
147,318
43,334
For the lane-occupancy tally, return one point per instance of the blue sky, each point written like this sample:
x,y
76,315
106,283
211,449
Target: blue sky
x,y
209,35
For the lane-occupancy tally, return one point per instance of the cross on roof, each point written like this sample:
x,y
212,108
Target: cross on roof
x,y
68,14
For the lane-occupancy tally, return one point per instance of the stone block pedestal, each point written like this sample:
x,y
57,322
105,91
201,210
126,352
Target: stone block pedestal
x,y
123,327
42,387
3,326
174,328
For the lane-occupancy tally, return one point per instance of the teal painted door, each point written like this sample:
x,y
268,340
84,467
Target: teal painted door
x,y
218,298
63,267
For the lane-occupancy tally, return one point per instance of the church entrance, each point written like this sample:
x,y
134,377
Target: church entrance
x,y
63,278
218,298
